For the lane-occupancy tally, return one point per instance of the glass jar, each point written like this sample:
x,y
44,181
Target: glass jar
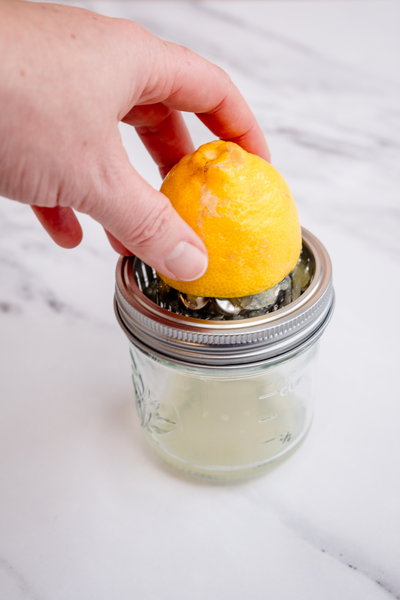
x,y
224,399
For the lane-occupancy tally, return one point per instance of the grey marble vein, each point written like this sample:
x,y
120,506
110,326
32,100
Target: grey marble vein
x,y
20,588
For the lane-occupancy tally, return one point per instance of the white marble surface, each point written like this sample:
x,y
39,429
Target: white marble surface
x,y
86,510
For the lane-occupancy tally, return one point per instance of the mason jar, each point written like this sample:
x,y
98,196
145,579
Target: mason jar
x,y
224,400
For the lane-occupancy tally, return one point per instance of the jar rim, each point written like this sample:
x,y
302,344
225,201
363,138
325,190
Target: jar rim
x,y
273,360
224,343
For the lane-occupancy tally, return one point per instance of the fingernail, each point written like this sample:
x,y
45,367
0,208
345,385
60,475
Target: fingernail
x,y
186,262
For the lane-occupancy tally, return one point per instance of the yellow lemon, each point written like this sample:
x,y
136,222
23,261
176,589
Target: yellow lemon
x,y
244,212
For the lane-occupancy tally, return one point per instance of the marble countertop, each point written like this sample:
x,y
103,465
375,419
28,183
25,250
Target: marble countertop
x,y
86,510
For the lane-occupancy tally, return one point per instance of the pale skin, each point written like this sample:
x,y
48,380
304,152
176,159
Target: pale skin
x,y
67,78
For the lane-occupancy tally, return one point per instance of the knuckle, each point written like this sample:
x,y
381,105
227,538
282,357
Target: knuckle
x,y
154,224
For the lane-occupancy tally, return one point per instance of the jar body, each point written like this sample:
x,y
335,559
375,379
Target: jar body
x,y
224,423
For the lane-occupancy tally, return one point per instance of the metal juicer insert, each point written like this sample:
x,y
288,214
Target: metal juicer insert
x,y
226,309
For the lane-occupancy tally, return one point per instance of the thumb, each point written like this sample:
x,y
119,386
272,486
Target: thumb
x,y
145,223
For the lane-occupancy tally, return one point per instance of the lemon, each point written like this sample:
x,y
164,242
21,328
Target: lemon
x,y
244,212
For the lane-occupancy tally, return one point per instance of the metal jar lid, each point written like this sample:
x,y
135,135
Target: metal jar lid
x,y
224,343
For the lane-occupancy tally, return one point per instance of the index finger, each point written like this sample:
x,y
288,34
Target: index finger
x,y
233,121
184,81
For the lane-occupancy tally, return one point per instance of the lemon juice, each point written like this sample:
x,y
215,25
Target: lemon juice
x,y
223,425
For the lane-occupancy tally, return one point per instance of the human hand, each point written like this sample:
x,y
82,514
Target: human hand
x,y
67,77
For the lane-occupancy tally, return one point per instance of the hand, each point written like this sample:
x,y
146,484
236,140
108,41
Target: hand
x,y
67,77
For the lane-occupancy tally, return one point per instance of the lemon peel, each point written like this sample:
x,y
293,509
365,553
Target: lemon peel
x,y
244,212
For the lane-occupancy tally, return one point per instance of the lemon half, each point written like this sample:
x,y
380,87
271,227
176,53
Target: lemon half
x,y
244,212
